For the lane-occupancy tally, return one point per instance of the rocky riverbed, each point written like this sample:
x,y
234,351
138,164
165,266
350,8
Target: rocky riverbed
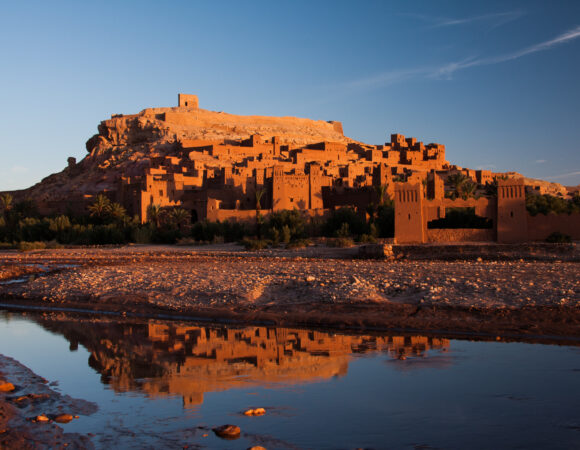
x,y
30,411
323,287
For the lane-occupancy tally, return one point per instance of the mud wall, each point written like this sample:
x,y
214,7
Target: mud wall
x,y
541,226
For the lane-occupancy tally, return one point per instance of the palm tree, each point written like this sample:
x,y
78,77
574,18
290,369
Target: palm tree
x,y
468,189
117,212
179,218
100,208
381,190
259,194
462,185
6,203
154,214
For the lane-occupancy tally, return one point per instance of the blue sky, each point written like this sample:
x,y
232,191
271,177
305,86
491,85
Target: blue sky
x,y
497,82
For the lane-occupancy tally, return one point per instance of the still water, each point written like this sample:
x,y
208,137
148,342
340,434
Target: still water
x,y
162,384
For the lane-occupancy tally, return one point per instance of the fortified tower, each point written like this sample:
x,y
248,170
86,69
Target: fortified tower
x,y
409,220
187,101
511,211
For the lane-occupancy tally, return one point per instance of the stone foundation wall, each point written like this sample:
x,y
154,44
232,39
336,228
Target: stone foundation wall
x,y
460,235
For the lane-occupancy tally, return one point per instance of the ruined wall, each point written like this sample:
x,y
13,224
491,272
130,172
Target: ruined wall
x,y
541,226
460,235
187,101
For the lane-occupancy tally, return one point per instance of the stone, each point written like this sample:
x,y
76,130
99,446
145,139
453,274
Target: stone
x,y
63,418
228,431
255,412
6,387
42,418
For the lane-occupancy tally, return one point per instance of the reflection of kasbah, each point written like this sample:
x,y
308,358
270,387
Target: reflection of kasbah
x,y
171,359
221,166
219,359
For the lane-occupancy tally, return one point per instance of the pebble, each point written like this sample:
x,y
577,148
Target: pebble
x,y
228,431
63,418
6,386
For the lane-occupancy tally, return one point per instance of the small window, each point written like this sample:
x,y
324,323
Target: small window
x,y
409,216
511,213
291,200
161,192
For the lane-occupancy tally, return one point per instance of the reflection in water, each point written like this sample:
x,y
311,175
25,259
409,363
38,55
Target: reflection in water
x,y
169,358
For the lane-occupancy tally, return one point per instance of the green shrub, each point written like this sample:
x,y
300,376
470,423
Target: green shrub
x,y
368,239
186,241
254,244
385,221
546,204
345,216
142,234
461,218
559,238
300,243
290,224
341,242
25,246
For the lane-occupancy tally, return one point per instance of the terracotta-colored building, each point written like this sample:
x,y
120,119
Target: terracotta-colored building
x,y
217,165
416,206
221,179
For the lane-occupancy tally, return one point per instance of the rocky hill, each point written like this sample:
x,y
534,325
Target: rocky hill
x,y
125,145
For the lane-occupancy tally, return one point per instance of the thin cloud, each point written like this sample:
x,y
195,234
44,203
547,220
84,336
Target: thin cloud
x,y
541,161
386,78
486,167
446,71
449,69
19,169
563,175
494,19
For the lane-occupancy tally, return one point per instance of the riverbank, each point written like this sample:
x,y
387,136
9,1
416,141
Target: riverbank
x,y
317,286
30,411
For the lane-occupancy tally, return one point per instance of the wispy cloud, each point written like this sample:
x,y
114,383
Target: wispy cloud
x,y
541,161
446,71
486,167
563,38
493,19
18,169
563,175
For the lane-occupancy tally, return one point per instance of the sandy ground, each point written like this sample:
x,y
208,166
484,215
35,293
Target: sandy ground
x,y
316,286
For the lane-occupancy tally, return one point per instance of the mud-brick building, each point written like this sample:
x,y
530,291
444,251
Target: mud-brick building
x,y
417,205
